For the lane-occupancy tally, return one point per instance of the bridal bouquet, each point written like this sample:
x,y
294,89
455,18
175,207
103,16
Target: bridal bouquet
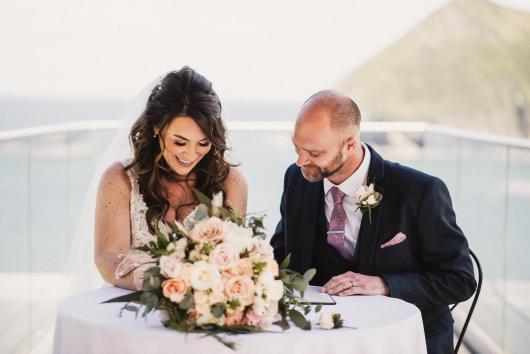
x,y
216,274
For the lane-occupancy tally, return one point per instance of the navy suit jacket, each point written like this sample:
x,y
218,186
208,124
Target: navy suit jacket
x,y
430,269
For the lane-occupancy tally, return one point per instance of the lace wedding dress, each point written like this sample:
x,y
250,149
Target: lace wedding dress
x,y
140,234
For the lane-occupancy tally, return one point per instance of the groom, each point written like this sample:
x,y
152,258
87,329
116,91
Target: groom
x,y
409,248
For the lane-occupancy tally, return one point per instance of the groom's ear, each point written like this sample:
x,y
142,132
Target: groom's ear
x,y
351,143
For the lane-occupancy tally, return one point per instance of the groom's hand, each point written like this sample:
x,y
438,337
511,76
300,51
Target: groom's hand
x,y
351,283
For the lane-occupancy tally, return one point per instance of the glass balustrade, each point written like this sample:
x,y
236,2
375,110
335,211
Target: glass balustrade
x,y
45,176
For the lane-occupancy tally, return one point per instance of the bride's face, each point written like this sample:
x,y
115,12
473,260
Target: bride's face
x,y
183,144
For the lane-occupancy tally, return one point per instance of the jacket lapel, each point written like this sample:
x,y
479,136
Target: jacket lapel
x,y
368,233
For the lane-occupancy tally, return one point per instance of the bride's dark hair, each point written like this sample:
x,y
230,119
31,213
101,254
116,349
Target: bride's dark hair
x,y
180,93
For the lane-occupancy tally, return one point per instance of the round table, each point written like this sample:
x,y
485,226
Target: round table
x,y
383,325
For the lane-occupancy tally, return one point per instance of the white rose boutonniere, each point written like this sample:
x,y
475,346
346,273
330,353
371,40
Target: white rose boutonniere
x,y
368,199
330,320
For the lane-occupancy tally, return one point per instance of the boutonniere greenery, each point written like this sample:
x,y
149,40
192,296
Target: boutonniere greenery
x,y
368,199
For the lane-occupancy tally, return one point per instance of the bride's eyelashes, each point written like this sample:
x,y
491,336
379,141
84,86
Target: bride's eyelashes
x,y
203,144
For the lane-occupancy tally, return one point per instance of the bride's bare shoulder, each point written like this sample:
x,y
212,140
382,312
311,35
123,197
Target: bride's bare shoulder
x,y
115,178
236,178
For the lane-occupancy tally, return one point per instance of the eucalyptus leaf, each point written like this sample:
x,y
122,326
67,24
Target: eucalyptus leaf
x,y
134,296
285,262
201,213
224,213
284,325
218,309
299,284
150,302
162,239
188,302
203,199
299,320
309,274
318,308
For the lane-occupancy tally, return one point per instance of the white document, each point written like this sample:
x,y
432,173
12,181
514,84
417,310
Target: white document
x,y
313,295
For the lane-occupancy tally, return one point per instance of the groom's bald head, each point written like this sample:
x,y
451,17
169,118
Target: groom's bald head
x,y
338,109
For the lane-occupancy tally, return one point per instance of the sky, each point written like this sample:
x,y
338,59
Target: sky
x,y
251,50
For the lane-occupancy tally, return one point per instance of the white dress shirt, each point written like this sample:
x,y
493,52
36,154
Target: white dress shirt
x,y
348,187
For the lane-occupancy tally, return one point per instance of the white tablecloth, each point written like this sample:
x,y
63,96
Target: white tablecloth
x,y
384,325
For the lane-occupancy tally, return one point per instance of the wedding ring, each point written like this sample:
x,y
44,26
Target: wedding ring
x,y
352,283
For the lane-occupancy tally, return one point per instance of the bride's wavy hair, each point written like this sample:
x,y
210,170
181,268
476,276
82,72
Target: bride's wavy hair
x,y
180,93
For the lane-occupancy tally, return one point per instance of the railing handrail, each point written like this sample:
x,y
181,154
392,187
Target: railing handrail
x,y
370,126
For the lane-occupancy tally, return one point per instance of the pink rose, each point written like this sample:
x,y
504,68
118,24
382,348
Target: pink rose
x,y
208,230
234,319
261,248
241,288
239,268
252,319
175,289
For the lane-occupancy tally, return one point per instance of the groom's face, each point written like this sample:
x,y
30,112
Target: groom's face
x,y
319,148
314,172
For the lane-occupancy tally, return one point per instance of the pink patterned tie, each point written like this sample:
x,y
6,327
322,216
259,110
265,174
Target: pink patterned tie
x,y
336,224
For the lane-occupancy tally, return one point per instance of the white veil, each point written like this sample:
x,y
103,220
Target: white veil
x,y
81,273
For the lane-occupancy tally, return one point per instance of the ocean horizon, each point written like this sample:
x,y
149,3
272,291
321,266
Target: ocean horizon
x,y
26,111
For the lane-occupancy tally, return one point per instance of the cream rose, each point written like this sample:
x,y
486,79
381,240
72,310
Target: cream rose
x,y
208,230
170,267
241,288
216,297
325,321
204,275
238,237
223,256
175,289
272,266
271,288
364,191
259,306
179,250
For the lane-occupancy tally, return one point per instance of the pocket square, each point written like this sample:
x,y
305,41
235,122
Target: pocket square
x,y
400,237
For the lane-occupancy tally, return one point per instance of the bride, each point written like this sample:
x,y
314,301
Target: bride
x,y
178,144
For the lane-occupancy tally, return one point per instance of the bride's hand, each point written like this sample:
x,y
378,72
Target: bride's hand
x,y
132,261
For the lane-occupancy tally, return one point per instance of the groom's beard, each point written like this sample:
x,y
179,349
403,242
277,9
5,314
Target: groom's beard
x,y
315,173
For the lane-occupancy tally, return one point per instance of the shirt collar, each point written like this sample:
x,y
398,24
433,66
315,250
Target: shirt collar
x,y
357,179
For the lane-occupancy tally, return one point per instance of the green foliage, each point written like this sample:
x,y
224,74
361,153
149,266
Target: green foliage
x,y
152,279
257,267
188,302
218,309
337,320
299,320
257,225
202,198
134,296
285,262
